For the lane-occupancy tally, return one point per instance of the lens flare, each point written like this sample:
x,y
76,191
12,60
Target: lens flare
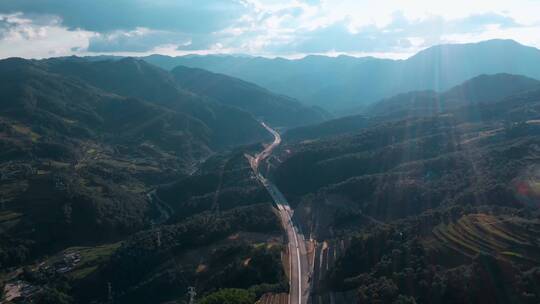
x,y
527,186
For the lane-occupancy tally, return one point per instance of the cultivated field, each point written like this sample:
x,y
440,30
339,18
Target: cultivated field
x,y
506,237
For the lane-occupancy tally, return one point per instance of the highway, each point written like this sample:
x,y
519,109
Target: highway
x,y
299,263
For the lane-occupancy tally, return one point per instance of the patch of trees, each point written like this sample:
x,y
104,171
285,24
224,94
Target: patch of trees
x,y
412,174
229,296
142,255
397,263
484,280
64,209
14,251
254,268
52,296
225,181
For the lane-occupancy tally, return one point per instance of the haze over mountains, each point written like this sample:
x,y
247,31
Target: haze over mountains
x,y
341,83
128,180
481,91
275,109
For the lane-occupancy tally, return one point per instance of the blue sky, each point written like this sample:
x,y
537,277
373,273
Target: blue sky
x,y
292,28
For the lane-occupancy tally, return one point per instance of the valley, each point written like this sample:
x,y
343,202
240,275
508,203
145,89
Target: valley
x,y
123,182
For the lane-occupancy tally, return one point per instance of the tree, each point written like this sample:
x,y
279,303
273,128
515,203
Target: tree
x,y
52,296
229,296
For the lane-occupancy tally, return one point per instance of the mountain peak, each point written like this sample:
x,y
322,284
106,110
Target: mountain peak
x,y
135,62
493,45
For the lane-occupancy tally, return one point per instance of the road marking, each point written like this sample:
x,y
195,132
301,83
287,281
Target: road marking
x,y
299,271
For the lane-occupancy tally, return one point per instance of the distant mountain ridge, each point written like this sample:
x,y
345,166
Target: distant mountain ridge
x,y
480,90
126,76
277,110
138,79
346,82
484,89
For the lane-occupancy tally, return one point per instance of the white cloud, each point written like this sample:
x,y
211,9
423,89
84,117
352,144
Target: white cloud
x,y
270,27
24,37
140,39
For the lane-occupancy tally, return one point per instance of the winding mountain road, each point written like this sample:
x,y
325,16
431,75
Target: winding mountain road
x,y
299,263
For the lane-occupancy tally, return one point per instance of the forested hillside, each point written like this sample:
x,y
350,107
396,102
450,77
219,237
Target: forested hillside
x,y
277,110
269,152
479,91
84,145
429,206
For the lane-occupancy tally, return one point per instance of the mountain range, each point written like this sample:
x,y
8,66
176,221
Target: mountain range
x,y
127,181
83,142
483,90
341,83
277,110
409,202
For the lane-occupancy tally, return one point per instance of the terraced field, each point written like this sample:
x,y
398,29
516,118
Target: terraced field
x,y
505,237
9,220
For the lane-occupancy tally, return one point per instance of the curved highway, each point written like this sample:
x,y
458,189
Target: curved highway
x,y
299,263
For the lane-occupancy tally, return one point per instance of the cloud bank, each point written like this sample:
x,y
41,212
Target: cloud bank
x,y
290,28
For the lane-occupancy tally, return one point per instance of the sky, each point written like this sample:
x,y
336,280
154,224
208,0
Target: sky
x,y
285,28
